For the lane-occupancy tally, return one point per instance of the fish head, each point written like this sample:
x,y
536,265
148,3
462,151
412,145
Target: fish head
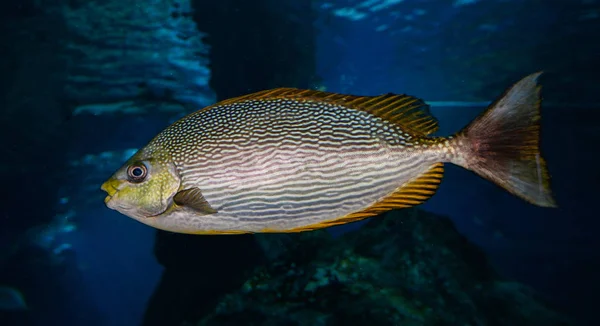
x,y
143,187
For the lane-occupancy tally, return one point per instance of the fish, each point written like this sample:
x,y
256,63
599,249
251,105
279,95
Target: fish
x,y
292,160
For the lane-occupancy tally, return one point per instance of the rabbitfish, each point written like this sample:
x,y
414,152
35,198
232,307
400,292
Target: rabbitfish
x,y
291,160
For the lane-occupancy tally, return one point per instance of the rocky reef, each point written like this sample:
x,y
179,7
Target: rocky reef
x,y
407,268
136,53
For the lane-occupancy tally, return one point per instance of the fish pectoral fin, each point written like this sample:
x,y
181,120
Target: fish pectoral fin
x,y
194,199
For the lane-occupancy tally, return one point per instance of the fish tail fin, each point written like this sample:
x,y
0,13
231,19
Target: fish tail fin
x,y
502,144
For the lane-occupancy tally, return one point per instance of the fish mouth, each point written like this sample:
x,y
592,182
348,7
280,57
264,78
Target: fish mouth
x,y
111,188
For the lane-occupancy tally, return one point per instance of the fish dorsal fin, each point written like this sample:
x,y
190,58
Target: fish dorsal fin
x,y
414,192
405,111
194,199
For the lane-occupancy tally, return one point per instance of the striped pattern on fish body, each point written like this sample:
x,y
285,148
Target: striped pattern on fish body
x,y
286,163
289,160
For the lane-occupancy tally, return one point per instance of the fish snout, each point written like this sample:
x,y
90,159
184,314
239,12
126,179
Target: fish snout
x,y
111,187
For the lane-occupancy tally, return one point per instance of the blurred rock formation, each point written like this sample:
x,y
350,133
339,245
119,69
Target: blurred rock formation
x,y
407,268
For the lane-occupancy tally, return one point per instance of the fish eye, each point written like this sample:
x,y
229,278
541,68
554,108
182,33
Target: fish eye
x,y
137,172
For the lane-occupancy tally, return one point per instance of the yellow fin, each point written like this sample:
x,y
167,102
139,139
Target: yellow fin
x,y
413,193
405,111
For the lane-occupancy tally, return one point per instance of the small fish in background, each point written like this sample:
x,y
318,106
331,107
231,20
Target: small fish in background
x,y
291,160
11,299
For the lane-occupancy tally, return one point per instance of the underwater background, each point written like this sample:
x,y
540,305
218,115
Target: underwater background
x,y
84,84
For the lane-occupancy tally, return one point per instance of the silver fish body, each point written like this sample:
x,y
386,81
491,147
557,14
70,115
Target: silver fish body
x,y
284,164
289,160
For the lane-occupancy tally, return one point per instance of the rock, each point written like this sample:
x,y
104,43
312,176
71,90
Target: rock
x,y
407,268
125,50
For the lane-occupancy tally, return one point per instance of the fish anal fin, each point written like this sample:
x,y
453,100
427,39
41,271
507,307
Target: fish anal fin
x,y
414,192
193,198
408,112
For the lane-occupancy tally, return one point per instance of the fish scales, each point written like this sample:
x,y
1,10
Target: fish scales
x,y
290,160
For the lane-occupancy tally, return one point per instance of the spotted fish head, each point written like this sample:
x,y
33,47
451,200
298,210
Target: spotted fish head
x,y
143,188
